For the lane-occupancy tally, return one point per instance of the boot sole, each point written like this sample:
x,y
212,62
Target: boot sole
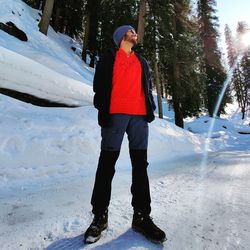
x,y
158,242
92,239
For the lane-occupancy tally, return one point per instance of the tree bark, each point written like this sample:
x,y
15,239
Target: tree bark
x,y
47,12
141,20
91,29
86,37
178,115
158,88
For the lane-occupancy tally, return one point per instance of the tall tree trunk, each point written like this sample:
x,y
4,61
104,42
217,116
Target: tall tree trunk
x,y
163,94
243,113
47,12
86,37
158,88
178,115
141,20
91,30
157,82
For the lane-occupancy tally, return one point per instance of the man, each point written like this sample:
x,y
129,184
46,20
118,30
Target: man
x,y
123,97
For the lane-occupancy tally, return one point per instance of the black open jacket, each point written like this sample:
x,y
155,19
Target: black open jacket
x,y
103,86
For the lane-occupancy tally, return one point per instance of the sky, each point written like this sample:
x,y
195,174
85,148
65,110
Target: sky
x,y
231,12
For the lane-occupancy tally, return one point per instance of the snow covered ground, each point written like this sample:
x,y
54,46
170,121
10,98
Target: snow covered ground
x,y
48,159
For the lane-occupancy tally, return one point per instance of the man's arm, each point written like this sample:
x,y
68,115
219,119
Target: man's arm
x,y
99,71
151,88
98,82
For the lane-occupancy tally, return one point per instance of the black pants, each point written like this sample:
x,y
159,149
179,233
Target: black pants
x,y
137,130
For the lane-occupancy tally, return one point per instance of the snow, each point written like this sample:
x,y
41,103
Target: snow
x,y
48,159
20,62
20,73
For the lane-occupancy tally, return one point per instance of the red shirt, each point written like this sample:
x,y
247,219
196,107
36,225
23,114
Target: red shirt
x,y
127,95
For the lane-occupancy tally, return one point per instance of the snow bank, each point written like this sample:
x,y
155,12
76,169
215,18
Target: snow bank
x,y
44,65
27,76
43,143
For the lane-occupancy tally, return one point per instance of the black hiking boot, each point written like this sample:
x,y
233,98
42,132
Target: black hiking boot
x,y
99,223
144,224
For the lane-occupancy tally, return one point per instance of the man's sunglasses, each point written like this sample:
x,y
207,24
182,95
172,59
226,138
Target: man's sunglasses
x,y
132,31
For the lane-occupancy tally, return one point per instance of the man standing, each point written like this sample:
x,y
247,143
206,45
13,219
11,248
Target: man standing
x,y
123,97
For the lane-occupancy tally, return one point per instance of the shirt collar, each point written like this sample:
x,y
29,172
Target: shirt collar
x,y
125,55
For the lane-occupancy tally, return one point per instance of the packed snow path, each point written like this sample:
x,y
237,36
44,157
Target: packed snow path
x,y
208,213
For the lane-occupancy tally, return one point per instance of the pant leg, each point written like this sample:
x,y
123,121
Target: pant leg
x,y
137,131
110,149
138,142
103,180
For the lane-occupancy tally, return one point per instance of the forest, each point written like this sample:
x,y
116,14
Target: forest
x,y
179,38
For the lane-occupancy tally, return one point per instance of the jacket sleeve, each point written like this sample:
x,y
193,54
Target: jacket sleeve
x,y
98,82
98,74
150,87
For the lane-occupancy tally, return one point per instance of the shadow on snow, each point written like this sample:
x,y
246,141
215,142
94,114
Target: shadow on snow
x,y
127,240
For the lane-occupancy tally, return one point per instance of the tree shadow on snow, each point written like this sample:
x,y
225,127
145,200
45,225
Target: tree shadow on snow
x,y
127,240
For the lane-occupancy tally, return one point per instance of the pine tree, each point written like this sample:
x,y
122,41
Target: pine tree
x,y
241,75
231,50
92,18
150,47
74,17
245,87
208,23
67,17
178,55
188,53
113,14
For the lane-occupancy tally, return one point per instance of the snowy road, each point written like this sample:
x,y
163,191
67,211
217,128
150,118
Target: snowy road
x,y
208,213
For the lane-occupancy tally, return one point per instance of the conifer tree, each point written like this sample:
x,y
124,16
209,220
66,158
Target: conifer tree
x,y
231,50
245,84
241,74
92,18
150,47
179,55
208,24
67,17
113,14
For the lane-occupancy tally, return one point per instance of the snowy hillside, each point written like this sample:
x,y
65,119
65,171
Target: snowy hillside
x,y
43,66
48,159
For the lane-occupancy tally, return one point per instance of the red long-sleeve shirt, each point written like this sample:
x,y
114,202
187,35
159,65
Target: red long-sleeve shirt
x,y
127,95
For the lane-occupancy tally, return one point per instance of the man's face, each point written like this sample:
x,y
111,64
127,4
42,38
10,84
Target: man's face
x,y
131,36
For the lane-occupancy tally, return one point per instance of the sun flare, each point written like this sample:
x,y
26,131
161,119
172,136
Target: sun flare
x,y
245,39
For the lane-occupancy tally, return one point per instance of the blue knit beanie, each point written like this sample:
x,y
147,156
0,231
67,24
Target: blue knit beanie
x,y
120,32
